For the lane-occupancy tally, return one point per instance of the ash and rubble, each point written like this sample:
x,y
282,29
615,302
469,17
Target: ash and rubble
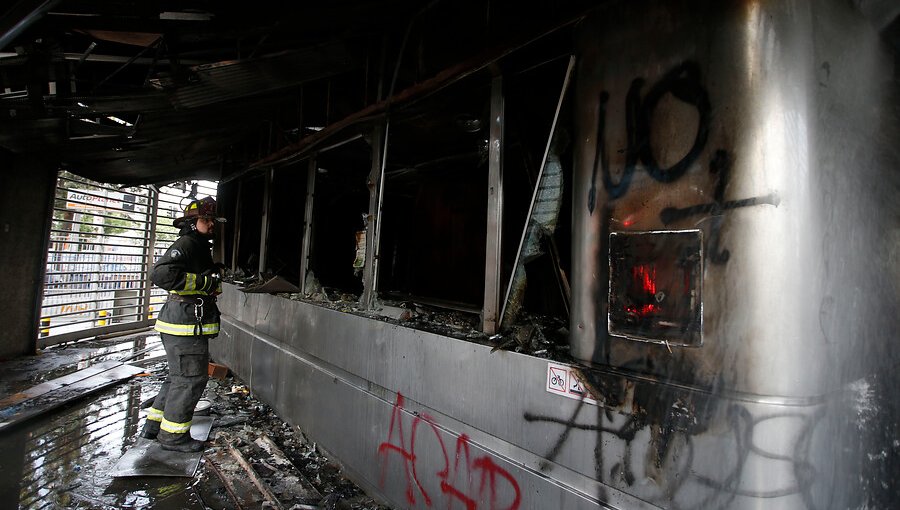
x,y
536,335
243,423
253,459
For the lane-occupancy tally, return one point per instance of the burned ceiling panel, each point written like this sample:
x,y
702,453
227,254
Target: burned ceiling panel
x,y
148,92
132,91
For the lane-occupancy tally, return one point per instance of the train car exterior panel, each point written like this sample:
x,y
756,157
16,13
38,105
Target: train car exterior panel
x,y
767,126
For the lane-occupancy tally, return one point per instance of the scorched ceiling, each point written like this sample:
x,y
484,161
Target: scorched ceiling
x,y
154,91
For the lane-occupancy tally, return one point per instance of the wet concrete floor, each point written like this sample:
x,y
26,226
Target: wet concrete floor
x,y
63,459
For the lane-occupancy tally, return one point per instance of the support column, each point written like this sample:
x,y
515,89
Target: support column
x,y
27,185
490,312
373,225
236,245
266,220
306,247
153,219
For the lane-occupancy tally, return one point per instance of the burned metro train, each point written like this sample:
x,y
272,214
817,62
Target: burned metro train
x,y
722,178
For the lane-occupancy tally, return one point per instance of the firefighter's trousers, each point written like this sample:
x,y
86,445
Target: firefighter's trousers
x,y
188,357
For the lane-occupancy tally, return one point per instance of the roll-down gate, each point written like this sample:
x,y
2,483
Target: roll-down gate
x,y
103,241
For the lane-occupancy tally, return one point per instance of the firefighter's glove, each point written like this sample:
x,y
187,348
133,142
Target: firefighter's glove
x,y
211,281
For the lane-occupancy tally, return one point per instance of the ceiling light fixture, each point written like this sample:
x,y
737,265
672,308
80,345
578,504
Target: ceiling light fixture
x,y
185,16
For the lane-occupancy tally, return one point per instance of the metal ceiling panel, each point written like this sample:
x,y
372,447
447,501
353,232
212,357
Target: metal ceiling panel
x,y
215,83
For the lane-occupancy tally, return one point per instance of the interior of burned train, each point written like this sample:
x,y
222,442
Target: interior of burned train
x,y
432,220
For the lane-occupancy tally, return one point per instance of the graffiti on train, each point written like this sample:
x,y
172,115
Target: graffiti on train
x,y
683,82
660,445
720,165
418,449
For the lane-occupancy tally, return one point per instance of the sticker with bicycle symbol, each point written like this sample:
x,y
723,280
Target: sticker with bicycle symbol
x,y
561,380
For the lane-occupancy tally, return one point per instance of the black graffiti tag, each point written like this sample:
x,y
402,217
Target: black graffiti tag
x,y
683,82
721,166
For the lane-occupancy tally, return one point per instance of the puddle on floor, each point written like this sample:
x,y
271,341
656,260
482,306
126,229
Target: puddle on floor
x,y
64,460
58,361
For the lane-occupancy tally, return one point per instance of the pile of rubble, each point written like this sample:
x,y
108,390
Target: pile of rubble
x,y
256,460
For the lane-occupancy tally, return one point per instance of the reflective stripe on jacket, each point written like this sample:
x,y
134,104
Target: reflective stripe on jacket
x,y
184,270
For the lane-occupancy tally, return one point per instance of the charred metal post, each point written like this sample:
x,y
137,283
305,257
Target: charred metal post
x,y
375,183
495,211
266,218
153,209
237,226
535,221
373,225
21,16
307,221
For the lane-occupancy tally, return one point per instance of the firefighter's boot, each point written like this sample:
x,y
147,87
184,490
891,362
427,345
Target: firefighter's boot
x,y
150,430
182,443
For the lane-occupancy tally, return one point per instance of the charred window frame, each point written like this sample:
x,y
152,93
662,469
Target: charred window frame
x,y
285,229
538,154
432,244
435,160
340,212
226,202
248,211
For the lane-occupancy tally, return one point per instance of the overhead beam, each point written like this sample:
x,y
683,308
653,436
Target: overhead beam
x,y
406,97
21,16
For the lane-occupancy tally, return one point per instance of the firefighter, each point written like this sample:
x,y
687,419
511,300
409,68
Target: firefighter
x,y
187,321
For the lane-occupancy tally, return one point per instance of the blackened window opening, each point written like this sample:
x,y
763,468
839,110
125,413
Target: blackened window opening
x,y
251,207
340,211
285,233
435,199
532,96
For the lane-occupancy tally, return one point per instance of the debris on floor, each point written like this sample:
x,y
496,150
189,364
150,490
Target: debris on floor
x,y
65,459
271,284
294,470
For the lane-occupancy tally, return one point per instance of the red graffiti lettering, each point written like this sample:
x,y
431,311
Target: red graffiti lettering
x,y
468,481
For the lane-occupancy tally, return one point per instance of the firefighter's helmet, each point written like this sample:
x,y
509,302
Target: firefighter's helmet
x,y
202,208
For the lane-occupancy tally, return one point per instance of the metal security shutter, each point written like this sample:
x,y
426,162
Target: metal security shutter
x,y
103,242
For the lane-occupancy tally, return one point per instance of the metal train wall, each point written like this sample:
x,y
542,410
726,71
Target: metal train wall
x,y
735,243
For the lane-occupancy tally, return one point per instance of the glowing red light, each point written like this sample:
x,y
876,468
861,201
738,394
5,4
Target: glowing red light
x,y
645,277
643,310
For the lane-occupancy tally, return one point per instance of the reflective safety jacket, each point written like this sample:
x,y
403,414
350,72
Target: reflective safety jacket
x,y
185,270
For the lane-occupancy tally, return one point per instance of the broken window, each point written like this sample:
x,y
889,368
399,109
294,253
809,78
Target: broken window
x,y
248,212
285,229
435,199
654,286
340,210
433,224
538,154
